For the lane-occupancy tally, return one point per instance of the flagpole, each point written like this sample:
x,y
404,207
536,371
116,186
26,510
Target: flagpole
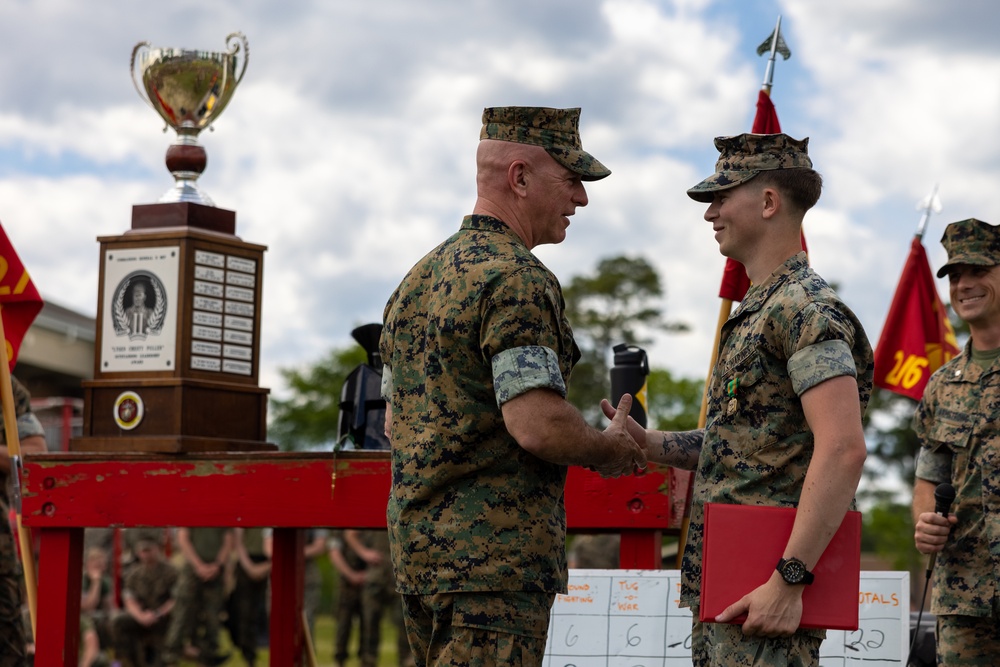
x,y
14,452
928,204
769,71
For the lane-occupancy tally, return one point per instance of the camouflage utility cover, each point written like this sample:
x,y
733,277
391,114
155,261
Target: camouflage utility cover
x,y
745,155
790,333
555,130
470,510
971,242
958,424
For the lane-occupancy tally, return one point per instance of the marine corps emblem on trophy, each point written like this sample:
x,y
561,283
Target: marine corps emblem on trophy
x,y
188,89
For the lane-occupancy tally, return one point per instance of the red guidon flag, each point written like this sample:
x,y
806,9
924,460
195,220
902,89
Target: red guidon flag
x,y
19,298
917,337
735,282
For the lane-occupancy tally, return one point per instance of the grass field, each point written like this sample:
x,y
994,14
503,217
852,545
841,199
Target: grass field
x,y
323,641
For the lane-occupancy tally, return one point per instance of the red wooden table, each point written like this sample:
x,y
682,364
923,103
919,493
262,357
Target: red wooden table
x,y
65,493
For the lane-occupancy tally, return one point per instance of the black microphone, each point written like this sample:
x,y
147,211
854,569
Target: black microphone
x,y
944,496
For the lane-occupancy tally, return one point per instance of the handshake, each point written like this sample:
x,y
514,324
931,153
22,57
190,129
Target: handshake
x,y
625,450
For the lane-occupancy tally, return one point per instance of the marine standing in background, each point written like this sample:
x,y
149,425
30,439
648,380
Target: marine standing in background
x,y
31,435
200,593
958,425
477,353
147,596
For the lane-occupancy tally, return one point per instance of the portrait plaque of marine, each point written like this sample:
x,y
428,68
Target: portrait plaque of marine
x,y
140,306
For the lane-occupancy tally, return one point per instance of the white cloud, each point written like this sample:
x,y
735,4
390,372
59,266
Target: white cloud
x,y
348,148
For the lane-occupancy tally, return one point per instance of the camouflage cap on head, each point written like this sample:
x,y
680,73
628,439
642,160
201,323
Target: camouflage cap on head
x,y
744,156
555,130
971,242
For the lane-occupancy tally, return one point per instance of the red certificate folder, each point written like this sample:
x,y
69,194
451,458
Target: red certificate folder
x,y
742,546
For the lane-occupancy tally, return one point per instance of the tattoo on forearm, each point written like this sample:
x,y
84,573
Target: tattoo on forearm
x,y
682,448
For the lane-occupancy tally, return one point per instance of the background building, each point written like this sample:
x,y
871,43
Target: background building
x,y
57,354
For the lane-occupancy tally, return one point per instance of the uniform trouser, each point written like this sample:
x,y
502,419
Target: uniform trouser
x,y
12,635
130,638
481,629
197,605
725,645
969,640
249,598
377,598
348,608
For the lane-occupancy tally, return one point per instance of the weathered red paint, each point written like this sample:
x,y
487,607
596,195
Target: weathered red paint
x,y
65,492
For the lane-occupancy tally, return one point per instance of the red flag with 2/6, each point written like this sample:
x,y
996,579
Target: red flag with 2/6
x,y
917,337
735,282
19,299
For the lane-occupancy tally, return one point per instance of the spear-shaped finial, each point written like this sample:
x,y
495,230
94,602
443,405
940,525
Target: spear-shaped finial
x,y
928,204
774,44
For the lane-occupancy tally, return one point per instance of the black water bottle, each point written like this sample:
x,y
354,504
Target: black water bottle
x,y
628,376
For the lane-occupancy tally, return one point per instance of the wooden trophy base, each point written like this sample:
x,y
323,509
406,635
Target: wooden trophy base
x,y
167,444
168,415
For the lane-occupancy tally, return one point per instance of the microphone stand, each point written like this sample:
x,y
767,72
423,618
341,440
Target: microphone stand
x,y
944,495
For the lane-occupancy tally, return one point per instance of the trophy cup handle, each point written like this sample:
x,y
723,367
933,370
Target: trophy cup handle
x,y
235,48
131,69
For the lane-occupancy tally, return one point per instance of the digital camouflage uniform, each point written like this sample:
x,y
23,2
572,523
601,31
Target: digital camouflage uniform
x,y
378,596
348,604
248,600
150,586
198,603
958,425
12,634
470,511
789,334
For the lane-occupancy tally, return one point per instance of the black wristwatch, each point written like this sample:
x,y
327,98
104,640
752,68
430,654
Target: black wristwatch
x,y
794,571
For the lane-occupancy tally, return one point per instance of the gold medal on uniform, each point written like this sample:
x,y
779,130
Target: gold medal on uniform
x,y
731,388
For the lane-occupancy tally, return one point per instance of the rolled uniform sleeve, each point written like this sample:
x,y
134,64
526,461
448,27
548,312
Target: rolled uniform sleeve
x,y
817,363
521,369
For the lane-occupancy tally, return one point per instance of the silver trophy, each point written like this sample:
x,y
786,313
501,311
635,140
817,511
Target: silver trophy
x,y
188,89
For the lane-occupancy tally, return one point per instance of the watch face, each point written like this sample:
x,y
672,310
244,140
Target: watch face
x,y
793,571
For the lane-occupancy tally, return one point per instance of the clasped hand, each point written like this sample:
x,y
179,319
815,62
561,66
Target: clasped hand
x,y
627,455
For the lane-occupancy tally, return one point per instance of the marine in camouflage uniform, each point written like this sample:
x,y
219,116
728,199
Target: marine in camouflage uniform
x,y
147,592
784,356
199,601
958,425
378,596
248,599
12,634
347,607
474,333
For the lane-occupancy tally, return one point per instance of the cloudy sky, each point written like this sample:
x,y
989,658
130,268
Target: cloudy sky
x,y
348,149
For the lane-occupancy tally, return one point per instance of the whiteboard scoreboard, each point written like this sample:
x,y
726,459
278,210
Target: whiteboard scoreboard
x,y
631,618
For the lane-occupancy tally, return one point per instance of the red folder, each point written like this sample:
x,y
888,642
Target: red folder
x,y
742,546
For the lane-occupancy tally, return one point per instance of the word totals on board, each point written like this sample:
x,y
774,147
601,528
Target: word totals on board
x,y
632,618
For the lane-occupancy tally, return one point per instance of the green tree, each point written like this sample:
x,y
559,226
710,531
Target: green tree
x,y
617,304
674,403
308,418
